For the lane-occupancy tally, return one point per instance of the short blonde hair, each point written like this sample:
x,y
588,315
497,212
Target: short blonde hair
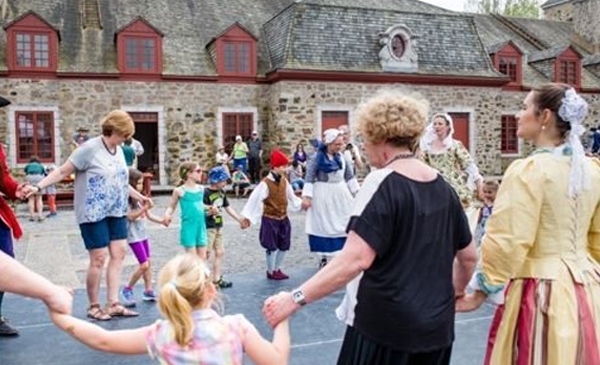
x,y
183,283
393,117
117,121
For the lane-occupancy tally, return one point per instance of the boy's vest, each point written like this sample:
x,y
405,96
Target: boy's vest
x,y
275,205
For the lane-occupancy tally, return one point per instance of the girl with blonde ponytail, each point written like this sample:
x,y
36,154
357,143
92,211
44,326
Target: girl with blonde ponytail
x,y
192,332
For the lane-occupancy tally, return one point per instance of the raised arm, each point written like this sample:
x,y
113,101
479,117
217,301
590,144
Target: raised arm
x,y
55,176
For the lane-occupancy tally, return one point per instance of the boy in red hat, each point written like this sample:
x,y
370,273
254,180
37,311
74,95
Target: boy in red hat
x,y
271,200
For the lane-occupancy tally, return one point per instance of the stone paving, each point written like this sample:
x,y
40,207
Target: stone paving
x,y
54,249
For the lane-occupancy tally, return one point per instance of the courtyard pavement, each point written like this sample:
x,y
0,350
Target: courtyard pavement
x,y
54,249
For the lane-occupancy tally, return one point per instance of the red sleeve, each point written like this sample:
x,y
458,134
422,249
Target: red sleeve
x,y
9,185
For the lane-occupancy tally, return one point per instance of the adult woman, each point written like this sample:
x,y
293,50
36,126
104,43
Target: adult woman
x,y
327,196
221,158
9,227
406,220
100,200
544,238
240,153
449,156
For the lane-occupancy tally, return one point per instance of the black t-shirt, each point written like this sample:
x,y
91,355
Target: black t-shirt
x,y
216,198
406,298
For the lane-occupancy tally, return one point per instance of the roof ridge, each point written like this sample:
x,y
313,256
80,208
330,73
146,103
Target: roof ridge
x,y
539,44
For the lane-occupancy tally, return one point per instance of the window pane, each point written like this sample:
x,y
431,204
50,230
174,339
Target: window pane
x,y
243,58
148,56
35,136
509,139
229,55
23,50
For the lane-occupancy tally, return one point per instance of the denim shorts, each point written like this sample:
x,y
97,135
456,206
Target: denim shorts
x,y
6,241
99,234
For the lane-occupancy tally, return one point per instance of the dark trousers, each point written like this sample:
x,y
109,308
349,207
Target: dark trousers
x,y
254,168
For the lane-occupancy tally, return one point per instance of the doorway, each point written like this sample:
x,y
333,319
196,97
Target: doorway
x,y
146,131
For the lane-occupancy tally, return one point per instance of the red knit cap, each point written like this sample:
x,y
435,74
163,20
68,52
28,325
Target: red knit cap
x,y
279,159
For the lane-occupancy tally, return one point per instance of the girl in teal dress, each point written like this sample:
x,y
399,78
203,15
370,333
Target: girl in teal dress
x,y
190,195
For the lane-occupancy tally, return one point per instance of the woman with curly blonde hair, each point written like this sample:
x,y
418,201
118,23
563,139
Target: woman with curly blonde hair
x,y
406,220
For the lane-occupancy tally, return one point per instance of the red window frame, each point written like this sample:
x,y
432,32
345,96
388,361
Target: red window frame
x,y
237,57
144,54
236,124
32,46
567,72
509,65
34,132
509,140
143,59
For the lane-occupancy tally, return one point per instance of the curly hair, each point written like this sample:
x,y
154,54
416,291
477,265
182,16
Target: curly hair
x,y
393,117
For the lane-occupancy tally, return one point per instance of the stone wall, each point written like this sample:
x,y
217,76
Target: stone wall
x,y
190,123
561,13
586,20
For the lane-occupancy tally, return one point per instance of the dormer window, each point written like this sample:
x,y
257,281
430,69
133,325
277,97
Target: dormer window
x,y
567,67
507,59
234,53
32,44
567,72
508,65
139,46
236,57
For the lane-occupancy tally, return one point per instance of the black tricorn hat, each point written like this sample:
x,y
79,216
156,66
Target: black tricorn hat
x,y
4,102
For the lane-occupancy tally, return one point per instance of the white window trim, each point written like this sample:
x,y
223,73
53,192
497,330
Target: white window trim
x,y
242,109
12,131
162,136
351,110
519,140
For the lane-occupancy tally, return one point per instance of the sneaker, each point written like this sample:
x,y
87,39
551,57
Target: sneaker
x,y
225,284
6,329
128,297
149,296
53,214
281,275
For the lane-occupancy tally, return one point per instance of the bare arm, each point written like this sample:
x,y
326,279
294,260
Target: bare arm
x,y
55,176
355,257
126,342
18,279
233,214
464,267
263,352
172,206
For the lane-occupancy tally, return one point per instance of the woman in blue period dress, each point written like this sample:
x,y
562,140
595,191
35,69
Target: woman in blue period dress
x,y
101,202
543,238
327,196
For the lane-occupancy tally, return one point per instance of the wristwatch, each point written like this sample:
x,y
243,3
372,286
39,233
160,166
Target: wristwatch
x,y
38,188
298,296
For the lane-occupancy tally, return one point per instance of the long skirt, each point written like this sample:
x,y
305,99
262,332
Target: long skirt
x,y
359,350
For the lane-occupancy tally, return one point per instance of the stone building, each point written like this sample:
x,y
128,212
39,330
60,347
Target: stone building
x,y
194,74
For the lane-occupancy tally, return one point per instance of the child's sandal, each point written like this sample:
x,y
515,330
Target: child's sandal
x,y
95,312
118,310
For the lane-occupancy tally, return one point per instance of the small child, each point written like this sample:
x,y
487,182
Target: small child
x,y
185,300
51,193
295,175
215,197
34,173
190,196
138,242
490,189
271,199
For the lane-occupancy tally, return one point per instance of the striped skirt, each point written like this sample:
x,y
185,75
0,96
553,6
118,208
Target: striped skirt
x,y
547,322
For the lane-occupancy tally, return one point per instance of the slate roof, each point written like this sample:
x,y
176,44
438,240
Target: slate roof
x,y
546,54
188,28
551,3
346,39
593,59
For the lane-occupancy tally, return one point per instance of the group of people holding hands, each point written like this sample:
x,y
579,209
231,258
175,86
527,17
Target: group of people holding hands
x,y
403,244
